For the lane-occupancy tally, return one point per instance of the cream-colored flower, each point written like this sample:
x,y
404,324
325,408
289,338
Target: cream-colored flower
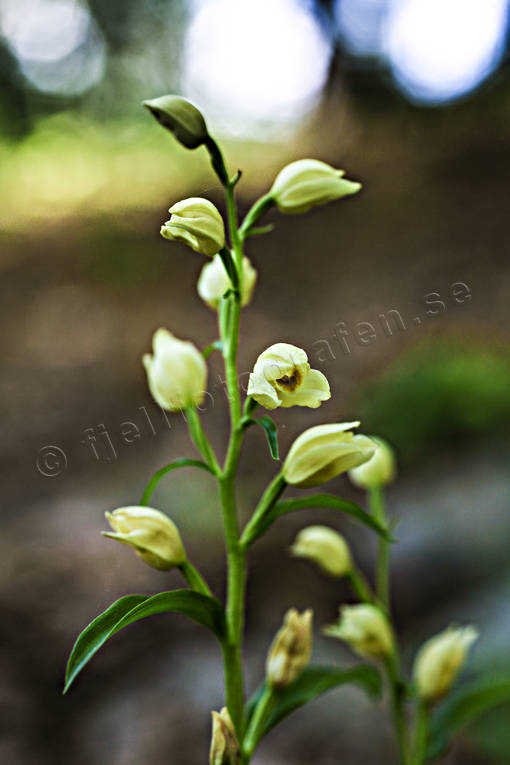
x,y
325,547
440,659
291,649
282,377
176,372
323,452
224,744
197,223
308,183
366,629
213,282
152,535
181,118
380,469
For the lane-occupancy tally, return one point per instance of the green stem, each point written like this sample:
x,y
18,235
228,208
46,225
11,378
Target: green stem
x,y
360,585
376,500
397,705
257,724
396,685
200,439
421,732
236,561
230,310
194,578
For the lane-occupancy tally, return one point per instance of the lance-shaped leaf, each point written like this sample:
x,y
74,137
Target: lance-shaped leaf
x,y
469,703
175,465
316,500
269,428
312,683
201,609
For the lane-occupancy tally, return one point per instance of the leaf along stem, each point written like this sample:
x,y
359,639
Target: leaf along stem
x,y
159,474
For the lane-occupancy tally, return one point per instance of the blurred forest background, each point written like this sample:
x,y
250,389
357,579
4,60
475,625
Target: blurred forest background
x,y
412,98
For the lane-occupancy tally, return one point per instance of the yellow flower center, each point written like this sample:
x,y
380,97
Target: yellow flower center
x,y
290,382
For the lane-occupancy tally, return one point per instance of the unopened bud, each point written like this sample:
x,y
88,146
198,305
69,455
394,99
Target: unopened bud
x,y
152,535
308,183
176,372
291,649
325,451
380,469
366,629
325,547
224,745
440,659
181,118
213,282
197,223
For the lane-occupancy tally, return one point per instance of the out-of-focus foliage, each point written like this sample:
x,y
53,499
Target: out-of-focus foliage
x,y
439,393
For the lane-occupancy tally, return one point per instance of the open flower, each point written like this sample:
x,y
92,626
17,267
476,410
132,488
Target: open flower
x,y
440,659
282,377
291,649
323,452
379,470
325,547
197,223
176,372
213,282
308,183
152,535
365,628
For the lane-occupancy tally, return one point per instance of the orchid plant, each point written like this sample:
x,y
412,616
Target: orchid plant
x,y
281,377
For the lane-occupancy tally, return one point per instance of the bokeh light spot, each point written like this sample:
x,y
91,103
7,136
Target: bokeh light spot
x,y
255,66
59,46
440,49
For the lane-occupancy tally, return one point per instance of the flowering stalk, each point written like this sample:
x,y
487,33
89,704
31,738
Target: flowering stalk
x,y
281,377
236,557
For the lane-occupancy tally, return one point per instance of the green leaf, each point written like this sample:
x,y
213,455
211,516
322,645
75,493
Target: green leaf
x,y
271,431
230,267
472,701
216,346
259,230
202,609
156,478
312,683
319,500
267,425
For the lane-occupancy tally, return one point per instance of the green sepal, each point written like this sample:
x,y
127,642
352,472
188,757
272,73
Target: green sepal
x,y
470,702
312,683
201,609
